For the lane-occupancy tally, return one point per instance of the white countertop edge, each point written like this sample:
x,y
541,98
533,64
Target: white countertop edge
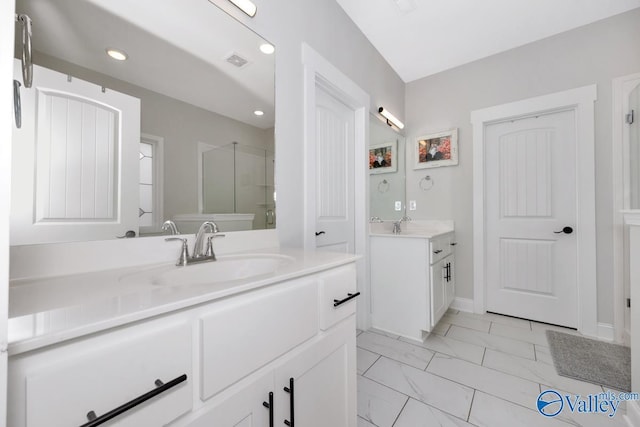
x,y
24,345
413,234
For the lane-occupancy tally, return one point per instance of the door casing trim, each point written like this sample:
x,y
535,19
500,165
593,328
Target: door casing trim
x,y
319,72
581,100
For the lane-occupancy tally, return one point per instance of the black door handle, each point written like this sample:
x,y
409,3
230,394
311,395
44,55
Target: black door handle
x,y
319,233
565,230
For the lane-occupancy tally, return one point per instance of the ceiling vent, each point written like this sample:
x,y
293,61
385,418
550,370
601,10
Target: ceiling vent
x,y
237,60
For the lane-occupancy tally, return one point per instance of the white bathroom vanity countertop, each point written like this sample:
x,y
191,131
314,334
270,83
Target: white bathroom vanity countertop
x,y
411,229
49,310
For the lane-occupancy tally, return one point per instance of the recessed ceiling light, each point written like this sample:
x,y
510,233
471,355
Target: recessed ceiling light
x,y
258,113
116,54
267,48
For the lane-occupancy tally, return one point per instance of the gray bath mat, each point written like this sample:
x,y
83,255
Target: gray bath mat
x,y
590,360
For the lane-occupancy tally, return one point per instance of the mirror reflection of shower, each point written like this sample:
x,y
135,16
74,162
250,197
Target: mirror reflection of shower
x,y
238,179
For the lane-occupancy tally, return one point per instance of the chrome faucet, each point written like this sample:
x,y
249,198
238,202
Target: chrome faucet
x,y
198,247
396,227
170,226
199,253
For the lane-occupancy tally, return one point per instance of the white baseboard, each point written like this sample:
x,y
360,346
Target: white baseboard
x,y
632,416
462,304
606,332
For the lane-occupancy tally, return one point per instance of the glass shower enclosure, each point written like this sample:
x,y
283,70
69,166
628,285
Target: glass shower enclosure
x,y
239,179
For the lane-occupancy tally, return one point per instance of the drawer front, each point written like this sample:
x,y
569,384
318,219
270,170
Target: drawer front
x,y
243,335
337,295
91,376
440,247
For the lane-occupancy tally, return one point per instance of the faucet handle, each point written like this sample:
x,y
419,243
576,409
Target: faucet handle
x,y
209,251
184,253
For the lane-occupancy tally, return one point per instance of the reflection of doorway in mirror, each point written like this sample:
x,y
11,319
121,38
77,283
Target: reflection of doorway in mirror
x,y
150,212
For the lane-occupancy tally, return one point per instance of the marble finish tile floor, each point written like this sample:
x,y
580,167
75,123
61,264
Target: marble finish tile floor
x,y
472,371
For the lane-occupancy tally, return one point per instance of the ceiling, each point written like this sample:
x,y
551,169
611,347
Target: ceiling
x,y
179,50
423,37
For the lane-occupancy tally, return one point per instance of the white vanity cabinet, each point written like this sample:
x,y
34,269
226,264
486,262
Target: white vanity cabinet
x,y
230,353
60,386
412,282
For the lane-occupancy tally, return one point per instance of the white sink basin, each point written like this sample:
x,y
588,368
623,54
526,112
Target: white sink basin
x,y
226,269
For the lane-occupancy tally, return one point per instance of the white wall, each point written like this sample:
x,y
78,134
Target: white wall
x,y
324,26
595,53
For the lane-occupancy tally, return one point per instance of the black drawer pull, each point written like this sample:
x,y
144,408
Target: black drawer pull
x,y
337,302
453,243
132,403
290,422
437,251
269,406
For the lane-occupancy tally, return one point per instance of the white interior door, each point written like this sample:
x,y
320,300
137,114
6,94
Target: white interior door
x,y
531,263
75,161
334,174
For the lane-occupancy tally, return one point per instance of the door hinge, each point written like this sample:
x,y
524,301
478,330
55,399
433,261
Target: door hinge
x,y
628,302
629,118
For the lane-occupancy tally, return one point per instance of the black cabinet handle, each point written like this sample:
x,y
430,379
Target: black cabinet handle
x,y
269,406
437,251
290,422
337,302
453,243
319,233
161,387
447,269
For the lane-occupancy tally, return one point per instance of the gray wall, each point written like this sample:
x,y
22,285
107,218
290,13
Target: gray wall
x,y
595,53
325,27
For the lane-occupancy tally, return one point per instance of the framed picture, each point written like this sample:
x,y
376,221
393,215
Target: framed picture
x,y
438,149
383,158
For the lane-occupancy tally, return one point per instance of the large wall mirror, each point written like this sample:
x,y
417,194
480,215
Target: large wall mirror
x,y
386,171
632,146
108,142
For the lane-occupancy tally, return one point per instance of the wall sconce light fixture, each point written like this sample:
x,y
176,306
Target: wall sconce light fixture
x,y
246,6
391,119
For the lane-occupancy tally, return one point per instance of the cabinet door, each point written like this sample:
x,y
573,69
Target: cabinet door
x,y
438,291
245,408
320,382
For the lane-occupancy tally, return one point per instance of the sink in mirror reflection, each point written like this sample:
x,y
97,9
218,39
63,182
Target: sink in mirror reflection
x,y
229,268
107,170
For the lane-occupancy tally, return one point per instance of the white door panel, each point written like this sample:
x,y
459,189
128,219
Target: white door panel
x,y
77,152
334,178
531,195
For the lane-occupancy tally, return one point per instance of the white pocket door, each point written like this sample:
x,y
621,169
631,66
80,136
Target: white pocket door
x,y
75,161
